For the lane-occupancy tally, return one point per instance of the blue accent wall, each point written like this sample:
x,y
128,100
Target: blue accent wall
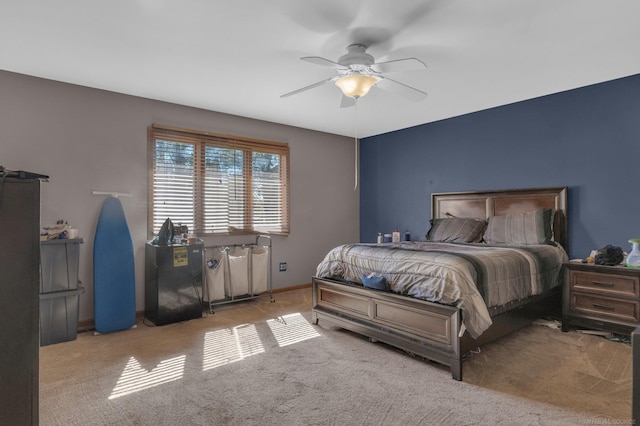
x,y
587,139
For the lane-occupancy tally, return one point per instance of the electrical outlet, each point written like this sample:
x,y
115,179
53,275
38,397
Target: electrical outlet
x,y
283,266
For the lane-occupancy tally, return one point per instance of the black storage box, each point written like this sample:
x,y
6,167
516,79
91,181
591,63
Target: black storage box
x,y
59,290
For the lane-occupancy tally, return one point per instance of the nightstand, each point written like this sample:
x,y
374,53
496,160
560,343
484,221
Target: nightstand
x,y
600,297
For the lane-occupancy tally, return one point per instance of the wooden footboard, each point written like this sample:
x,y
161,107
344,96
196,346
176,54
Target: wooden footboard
x,y
423,328
426,329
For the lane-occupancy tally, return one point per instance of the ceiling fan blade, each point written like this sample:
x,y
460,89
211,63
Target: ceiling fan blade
x,y
347,102
400,65
311,86
402,89
322,62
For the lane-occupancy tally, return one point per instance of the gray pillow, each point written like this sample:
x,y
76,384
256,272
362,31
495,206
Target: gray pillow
x,y
456,230
534,227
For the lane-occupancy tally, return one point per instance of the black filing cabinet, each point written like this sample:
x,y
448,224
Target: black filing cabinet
x,y
173,282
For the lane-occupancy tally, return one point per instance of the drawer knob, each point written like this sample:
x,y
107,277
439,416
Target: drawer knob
x,y
602,284
603,307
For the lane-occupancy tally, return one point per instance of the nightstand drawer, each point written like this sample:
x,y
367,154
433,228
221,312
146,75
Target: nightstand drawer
x,y
606,284
627,311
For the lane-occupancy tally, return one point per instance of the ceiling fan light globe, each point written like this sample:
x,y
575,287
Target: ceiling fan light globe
x,y
356,86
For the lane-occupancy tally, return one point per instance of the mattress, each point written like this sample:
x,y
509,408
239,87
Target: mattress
x,y
472,277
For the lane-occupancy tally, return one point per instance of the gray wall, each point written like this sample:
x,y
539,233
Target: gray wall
x,y
87,139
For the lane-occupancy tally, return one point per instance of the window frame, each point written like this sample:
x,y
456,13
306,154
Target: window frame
x,y
200,140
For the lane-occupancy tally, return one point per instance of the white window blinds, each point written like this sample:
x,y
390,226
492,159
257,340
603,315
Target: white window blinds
x,y
217,184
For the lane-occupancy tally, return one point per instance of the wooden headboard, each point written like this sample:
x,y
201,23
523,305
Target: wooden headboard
x,y
482,204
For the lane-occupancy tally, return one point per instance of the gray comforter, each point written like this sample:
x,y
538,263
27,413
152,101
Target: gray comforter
x,y
472,277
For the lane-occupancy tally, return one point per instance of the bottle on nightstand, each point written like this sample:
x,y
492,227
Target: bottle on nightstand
x,y
633,258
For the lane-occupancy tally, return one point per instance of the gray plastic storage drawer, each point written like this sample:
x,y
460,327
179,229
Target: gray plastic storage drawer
x,y
59,260
59,316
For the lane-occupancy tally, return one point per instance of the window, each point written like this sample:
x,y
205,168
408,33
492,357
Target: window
x,y
217,185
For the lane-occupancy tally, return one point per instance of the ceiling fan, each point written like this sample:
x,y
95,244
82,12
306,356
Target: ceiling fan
x,y
358,73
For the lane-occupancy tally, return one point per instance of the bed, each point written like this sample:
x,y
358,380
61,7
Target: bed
x,y
440,300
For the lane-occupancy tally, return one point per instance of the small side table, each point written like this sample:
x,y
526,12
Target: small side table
x,y
600,297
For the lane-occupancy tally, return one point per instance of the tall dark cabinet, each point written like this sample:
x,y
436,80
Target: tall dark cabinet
x,y
19,300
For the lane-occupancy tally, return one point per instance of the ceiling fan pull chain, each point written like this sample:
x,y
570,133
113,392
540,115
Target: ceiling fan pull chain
x,y
356,143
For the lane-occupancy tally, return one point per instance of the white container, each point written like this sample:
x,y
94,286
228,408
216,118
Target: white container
x,y
633,258
216,275
259,269
238,271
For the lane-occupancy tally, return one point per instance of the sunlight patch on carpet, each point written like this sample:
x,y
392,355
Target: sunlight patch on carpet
x,y
222,347
292,328
135,378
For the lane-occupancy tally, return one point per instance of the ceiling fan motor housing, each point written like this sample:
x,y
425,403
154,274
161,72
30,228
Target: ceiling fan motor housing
x,y
356,55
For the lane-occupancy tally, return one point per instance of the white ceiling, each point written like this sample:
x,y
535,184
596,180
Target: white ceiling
x,y
239,56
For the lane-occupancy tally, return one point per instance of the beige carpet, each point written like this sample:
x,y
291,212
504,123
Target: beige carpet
x,y
261,363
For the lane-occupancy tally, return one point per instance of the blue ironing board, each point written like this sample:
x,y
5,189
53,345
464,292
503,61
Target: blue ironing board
x,y
114,295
